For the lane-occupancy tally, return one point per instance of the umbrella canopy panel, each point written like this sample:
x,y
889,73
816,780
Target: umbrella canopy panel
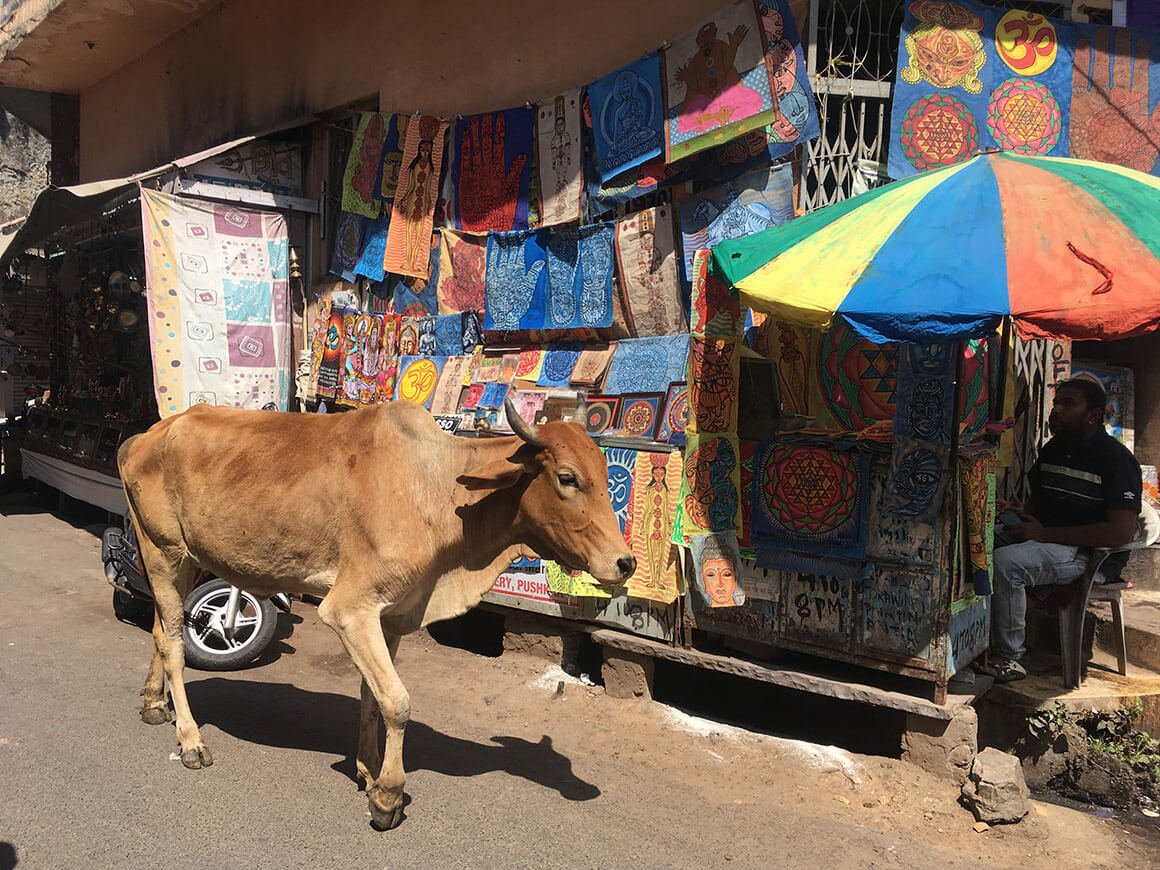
x,y
1067,248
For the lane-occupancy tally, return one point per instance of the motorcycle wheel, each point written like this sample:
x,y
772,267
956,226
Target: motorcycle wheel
x,y
130,608
207,647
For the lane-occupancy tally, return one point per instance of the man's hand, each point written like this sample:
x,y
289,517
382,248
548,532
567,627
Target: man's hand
x,y
1030,529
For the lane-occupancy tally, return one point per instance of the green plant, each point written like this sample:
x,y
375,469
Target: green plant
x,y
1047,723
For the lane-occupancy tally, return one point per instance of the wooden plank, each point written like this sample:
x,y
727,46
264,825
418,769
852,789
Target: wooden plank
x,y
792,679
246,196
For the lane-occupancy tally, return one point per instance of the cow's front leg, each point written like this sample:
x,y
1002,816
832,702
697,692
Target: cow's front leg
x,y
356,622
369,762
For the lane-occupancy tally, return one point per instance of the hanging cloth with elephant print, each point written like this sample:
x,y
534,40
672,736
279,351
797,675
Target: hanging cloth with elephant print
x,y
491,171
972,77
416,196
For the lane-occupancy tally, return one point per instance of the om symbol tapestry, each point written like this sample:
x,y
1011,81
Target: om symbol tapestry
x,y
972,77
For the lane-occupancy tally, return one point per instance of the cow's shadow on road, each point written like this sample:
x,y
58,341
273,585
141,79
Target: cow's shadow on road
x,y
276,714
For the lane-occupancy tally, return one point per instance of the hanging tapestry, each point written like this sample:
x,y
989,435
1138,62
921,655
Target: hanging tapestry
x,y
748,456
427,341
710,485
977,481
627,116
409,336
795,116
472,331
559,360
794,349
413,213
600,414
590,365
621,472
755,149
856,380
639,414
675,415
559,158
349,358
449,335
374,246
530,364
717,569
331,349
551,279
656,488
714,306
418,377
581,584
580,266
388,358
717,81
918,472
348,243
647,365
491,171
810,508
461,272
515,264
975,404
362,166
714,379
647,259
361,366
387,177
318,332
417,297
755,201
217,296
971,77
473,395
924,403
449,387
529,404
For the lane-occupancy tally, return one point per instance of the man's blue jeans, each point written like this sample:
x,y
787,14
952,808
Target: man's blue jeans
x,y
1018,566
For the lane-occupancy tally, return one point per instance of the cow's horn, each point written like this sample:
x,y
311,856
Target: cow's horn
x,y
519,425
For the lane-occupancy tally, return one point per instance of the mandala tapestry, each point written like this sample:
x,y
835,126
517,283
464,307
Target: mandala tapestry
x,y
809,508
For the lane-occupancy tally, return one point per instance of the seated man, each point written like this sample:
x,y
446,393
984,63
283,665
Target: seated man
x,y
1085,492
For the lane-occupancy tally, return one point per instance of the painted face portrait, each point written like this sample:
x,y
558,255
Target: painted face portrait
x,y
720,577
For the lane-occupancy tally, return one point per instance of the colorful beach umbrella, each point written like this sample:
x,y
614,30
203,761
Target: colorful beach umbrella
x,y
1066,248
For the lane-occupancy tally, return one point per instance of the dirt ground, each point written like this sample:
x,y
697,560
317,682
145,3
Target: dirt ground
x,y
502,770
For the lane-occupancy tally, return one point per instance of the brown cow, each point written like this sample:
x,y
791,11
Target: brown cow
x,y
396,523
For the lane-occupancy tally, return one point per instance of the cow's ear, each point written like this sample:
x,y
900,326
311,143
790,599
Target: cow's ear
x,y
478,484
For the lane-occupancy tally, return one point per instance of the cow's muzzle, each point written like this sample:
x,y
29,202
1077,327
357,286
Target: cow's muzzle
x,y
626,564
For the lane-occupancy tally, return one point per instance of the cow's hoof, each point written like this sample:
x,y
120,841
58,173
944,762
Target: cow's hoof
x,y
386,808
155,715
197,758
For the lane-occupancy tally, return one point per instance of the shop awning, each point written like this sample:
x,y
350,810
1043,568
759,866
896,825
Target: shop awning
x,y
59,207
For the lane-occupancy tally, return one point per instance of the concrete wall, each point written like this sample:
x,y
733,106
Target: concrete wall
x,y
247,65
24,156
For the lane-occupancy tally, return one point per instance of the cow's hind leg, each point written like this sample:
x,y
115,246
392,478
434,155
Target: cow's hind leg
x,y
357,624
171,579
370,749
154,709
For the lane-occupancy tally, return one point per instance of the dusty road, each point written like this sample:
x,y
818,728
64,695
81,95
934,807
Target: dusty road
x,y
501,774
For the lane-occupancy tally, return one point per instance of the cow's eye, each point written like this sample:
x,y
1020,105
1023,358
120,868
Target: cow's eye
x,y
567,478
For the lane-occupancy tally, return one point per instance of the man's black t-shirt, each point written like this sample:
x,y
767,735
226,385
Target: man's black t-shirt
x,y
1078,485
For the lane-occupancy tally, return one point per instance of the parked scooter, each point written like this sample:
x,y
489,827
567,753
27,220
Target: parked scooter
x,y
226,628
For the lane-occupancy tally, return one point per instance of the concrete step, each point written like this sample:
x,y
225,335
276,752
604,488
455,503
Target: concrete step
x,y
1141,626
1143,568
